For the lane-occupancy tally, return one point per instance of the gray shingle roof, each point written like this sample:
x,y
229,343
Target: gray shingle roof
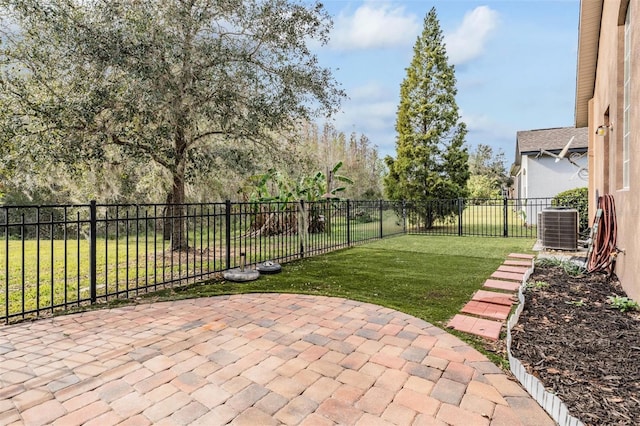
x,y
552,139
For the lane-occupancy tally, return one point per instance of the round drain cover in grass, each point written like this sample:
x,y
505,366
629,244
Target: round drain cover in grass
x,y
240,276
269,267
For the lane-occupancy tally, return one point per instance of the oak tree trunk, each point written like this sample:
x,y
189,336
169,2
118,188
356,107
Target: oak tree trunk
x,y
176,208
166,220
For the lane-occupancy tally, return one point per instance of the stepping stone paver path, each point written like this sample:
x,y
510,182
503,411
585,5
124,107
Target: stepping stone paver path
x,y
490,308
254,359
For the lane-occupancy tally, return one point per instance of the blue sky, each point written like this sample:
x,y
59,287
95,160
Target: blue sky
x,y
515,64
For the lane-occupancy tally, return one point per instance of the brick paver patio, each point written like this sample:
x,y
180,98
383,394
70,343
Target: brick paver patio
x,y
256,359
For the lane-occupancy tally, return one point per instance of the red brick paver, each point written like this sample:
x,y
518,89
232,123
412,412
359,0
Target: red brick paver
x,y
511,268
512,262
502,285
253,359
478,326
514,276
521,256
493,297
486,310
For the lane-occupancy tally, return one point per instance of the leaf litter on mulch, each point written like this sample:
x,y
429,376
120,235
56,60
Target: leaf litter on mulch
x,y
579,346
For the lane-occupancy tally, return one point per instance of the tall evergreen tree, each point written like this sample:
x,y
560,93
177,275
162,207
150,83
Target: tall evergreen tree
x,y
431,157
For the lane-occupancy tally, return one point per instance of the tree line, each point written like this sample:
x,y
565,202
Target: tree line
x,y
173,101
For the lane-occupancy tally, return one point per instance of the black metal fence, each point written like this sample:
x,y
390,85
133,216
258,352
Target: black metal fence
x,y
495,217
59,257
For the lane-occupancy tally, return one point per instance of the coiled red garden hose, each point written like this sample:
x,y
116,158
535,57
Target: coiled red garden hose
x,y
603,253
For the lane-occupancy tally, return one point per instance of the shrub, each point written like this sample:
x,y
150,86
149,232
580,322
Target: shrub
x,y
578,199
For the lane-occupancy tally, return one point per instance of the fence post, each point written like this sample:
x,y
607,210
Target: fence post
x,y
227,231
6,263
348,222
302,224
505,232
460,211
93,228
404,216
381,234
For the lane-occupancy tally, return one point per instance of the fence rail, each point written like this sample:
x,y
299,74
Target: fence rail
x,y
494,217
62,256
59,257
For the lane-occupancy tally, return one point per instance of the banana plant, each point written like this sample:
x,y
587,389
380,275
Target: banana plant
x,y
275,186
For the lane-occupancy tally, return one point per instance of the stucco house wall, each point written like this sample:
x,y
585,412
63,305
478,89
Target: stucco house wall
x,y
599,101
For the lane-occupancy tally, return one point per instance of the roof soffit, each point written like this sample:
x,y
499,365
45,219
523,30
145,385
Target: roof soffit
x,y
588,41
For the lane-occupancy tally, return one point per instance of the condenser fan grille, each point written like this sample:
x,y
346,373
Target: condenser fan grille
x,y
558,228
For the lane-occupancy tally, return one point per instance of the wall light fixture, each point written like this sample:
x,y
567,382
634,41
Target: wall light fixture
x,y
603,129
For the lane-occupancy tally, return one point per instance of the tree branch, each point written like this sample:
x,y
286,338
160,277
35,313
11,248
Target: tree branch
x,y
208,133
147,149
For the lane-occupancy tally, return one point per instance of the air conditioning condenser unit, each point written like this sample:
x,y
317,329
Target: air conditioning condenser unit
x,y
558,227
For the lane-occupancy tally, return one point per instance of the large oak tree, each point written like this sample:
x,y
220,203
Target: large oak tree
x,y
175,82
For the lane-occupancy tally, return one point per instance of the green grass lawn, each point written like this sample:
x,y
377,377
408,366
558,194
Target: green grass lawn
x,y
429,277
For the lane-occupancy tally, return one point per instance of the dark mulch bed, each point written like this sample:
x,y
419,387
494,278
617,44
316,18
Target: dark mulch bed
x,y
580,347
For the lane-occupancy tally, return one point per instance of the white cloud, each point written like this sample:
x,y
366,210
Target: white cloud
x,y
485,130
375,115
476,121
468,41
483,124
371,91
374,26
371,110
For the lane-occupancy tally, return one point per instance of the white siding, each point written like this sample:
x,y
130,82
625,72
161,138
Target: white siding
x,y
542,177
546,178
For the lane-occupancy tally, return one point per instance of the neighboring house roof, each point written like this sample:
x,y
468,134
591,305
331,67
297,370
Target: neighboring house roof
x,y
588,40
550,140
